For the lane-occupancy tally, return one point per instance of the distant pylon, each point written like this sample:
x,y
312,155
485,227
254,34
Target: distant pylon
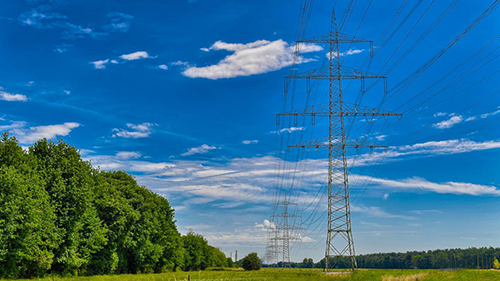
x,y
285,231
339,240
272,247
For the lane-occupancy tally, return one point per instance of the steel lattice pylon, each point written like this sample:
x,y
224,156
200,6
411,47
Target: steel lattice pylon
x,y
339,240
284,231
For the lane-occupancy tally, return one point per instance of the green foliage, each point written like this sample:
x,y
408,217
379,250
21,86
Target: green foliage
x,y
496,264
60,215
307,263
28,234
198,255
251,262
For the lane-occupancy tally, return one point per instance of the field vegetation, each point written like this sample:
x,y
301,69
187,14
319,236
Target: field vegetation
x,y
301,275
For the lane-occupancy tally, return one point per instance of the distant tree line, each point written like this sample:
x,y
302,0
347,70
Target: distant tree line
x,y
59,215
483,258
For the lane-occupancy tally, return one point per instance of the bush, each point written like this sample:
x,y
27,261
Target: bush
x,y
251,262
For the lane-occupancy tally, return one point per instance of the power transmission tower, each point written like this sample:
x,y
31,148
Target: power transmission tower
x,y
339,240
285,230
272,247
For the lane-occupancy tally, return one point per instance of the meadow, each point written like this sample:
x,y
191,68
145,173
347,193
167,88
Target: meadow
x,y
297,275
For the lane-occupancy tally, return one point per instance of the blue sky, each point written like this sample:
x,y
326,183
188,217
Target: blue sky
x,y
183,94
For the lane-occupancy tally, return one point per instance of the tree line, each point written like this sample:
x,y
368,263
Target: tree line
x,y
59,215
483,258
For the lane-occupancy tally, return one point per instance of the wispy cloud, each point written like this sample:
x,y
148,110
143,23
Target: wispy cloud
x,y
162,67
349,52
135,131
202,149
288,130
250,141
40,18
119,22
378,212
62,48
100,64
446,187
32,134
135,55
43,17
253,180
484,115
249,59
128,155
5,96
448,123
430,148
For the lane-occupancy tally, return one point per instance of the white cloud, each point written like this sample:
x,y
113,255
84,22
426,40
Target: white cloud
x,y
11,97
249,59
135,56
380,137
163,66
100,64
386,196
484,115
449,122
119,22
229,205
439,114
253,180
32,134
259,225
249,141
430,148
43,18
204,148
446,187
289,130
349,52
180,63
13,125
378,212
269,224
67,92
128,154
135,131
39,18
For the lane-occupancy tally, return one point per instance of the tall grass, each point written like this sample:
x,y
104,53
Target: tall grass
x,y
298,275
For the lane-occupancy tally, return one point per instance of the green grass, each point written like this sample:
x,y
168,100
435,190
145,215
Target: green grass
x,y
299,275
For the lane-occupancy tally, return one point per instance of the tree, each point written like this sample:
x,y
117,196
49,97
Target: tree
x,y
70,183
195,247
251,262
308,263
496,264
58,214
28,235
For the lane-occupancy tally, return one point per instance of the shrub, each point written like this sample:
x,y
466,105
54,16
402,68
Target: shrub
x,y
251,262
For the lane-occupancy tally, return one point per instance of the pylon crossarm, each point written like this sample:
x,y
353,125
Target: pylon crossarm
x,y
349,110
324,143
327,38
286,203
290,228
345,73
285,215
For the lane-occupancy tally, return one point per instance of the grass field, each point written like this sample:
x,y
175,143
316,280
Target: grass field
x,y
300,275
